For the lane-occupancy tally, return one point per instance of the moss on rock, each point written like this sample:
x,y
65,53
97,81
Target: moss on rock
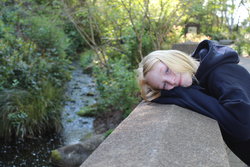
x,y
55,155
87,111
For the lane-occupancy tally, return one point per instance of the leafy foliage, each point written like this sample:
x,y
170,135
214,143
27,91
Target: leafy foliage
x,y
86,61
77,44
33,70
48,36
117,87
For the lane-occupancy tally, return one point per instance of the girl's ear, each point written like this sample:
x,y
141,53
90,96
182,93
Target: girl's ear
x,y
143,82
145,89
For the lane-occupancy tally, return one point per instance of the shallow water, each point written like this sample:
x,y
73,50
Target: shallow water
x,y
31,153
79,89
36,153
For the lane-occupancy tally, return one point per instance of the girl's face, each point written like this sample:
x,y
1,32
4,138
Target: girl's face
x,y
161,77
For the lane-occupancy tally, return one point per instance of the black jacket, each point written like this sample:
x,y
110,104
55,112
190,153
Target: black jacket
x,y
223,92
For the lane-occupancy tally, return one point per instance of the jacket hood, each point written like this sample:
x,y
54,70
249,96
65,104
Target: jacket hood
x,y
211,55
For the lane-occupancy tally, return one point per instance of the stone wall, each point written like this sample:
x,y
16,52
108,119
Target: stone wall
x,y
155,135
187,47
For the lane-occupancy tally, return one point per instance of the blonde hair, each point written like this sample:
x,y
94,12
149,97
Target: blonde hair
x,y
176,61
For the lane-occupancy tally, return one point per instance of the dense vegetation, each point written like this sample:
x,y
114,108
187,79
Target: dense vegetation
x,y
34,67
39,39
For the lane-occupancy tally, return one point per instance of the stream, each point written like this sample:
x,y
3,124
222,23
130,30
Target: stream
x,y
80,93
36,153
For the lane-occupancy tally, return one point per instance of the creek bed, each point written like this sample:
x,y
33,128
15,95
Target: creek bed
x,y
80,93
36,152
32,152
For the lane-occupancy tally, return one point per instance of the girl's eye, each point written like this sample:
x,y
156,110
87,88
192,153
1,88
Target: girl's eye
x,y
167,70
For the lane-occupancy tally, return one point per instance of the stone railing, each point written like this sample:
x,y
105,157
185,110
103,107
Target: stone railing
x,y
155,135
187,47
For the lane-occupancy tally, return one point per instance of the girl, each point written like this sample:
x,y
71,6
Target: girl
x,y
210,82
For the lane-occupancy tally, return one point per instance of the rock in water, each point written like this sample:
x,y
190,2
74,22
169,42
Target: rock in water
x,y
74,155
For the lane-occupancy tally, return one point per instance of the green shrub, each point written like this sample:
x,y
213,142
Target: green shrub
x,y
241,44
21,67
117,87
26,113
86,61
217,35
86,58
48,35
77,44
238,46
33,70
132,46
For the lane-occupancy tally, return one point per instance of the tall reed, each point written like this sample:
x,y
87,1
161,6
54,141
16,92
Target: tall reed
x,y
25,114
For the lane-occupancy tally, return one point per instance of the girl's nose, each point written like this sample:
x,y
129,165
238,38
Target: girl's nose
x,y
170,79
170,82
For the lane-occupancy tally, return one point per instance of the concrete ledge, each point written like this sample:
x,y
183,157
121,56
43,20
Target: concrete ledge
x,y
155,135
187,47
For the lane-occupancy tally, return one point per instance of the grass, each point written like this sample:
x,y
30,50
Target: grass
x,y
26,113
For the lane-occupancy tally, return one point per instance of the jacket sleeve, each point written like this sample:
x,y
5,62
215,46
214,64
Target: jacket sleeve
x,y
195,99
230,84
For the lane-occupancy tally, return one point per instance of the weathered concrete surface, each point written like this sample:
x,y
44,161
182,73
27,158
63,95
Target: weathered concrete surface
x,y
157,135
